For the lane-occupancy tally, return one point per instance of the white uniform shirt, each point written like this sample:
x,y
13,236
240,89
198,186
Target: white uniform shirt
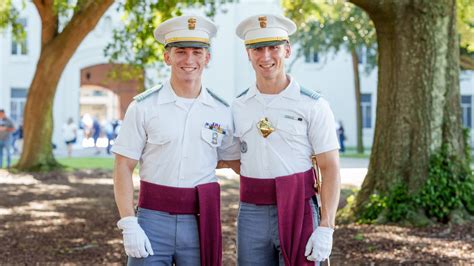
x,y
303,126
173,144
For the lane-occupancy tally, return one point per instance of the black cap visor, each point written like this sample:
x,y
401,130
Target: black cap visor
x,y
188,45
263,44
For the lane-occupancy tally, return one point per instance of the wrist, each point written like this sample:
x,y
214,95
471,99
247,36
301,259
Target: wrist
x,y
325,223
127,222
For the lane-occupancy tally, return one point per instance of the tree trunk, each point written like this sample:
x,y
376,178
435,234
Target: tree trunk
x,y
56,50
355,68
418,107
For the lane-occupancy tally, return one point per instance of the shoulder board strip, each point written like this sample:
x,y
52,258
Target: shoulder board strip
x,y
310,93
243,93
219,99
140,97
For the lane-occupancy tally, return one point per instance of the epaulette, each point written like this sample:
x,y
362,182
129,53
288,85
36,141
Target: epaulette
x,y
310,93
243,93
140,97
219,99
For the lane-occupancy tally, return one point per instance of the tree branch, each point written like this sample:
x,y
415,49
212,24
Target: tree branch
x,y
39,6
466,62
83,21
377,8
49,20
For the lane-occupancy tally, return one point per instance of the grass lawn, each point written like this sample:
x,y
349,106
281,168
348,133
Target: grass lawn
x,y
351,152
75,163
87,163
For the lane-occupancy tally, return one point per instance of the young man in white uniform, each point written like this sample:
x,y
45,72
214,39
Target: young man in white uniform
x,y
178,132
280,126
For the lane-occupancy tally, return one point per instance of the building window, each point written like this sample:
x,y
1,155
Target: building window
x,y
466,106
311,56
17,106
21,47
366,106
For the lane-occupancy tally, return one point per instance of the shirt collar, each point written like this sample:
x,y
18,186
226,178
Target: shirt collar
x,y
205,98
167,95
292,91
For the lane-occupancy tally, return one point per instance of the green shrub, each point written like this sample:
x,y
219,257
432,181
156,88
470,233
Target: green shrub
x,y
372,210
449,187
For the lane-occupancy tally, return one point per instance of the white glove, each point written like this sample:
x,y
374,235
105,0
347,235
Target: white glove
x,y
319,244
135,241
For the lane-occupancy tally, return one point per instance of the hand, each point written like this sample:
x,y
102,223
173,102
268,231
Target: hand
x,y
135,241
319,244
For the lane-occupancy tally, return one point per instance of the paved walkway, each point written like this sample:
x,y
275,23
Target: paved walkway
x,y
353,170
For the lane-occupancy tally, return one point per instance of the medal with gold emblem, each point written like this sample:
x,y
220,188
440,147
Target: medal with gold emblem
x,y
265,127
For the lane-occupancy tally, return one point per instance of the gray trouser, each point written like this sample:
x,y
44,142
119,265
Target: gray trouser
x,y
174,238
258,240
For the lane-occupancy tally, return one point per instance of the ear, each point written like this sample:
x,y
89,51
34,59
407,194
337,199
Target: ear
x,y
208,56
248,54
288,50
166,56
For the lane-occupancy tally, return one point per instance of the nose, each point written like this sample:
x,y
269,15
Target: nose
x,y
266,52
189,57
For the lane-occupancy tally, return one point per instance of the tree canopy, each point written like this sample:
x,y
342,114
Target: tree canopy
x,y
64,25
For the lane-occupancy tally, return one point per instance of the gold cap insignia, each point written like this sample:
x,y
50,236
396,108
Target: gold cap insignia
x,y
191,23
263,21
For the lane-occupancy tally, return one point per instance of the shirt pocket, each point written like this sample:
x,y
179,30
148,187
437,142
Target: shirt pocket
x,y
212,137
292,126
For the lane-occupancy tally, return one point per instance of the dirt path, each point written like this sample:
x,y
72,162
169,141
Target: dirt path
x,y
70,218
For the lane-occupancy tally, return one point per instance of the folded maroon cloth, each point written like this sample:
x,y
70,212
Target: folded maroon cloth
x,y
203,201
210,234
295,220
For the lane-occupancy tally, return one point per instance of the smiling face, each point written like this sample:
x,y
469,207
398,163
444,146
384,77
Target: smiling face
x,y
187,63
269,61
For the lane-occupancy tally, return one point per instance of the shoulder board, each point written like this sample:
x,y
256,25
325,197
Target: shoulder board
x,y
243,93
310,93
219,99
140,97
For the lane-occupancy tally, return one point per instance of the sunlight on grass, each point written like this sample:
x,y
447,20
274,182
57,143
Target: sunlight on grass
x,y
88,163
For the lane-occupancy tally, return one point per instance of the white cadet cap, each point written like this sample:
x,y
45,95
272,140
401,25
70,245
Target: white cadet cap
x,y
265,30
186,31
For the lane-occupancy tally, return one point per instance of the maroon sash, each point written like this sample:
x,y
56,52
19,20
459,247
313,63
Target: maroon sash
x,y
203,201
289,193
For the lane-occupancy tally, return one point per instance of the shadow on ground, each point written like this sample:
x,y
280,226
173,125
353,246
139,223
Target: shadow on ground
x,y
70,218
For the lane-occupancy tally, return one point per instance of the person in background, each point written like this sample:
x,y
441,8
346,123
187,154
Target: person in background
x,y
17,138
341,136
70,135
96,130
6,129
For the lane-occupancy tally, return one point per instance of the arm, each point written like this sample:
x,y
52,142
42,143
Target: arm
x,y
330,188
10,126
319,244
234,164
123,185
135,241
